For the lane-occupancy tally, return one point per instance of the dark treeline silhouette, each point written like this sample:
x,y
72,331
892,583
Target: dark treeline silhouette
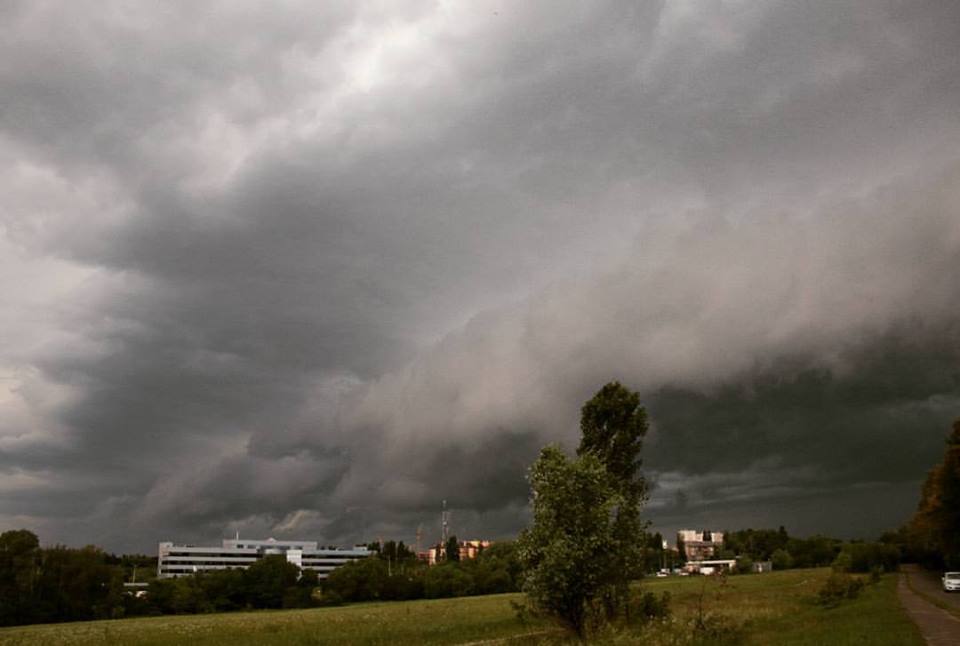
x,y
56,583
932,536
785,552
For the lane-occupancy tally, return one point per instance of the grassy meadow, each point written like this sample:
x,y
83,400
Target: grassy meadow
x,y
775,608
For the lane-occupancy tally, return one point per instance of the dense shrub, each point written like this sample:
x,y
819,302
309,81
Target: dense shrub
x,y
864,557
781,559
837,588
271,582
647,606
448,580
56,583
495,570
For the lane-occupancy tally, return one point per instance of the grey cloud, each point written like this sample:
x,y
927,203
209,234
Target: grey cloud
x,y
288,263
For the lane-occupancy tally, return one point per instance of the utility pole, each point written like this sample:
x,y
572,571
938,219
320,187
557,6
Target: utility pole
x,y
444,524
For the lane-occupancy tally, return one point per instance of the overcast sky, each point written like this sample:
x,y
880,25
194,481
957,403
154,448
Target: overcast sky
x,y
307,269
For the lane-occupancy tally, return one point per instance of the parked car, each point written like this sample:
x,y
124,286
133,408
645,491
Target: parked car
x,y
951,581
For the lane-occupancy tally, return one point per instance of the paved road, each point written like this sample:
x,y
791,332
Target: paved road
x,y
938,627
928,582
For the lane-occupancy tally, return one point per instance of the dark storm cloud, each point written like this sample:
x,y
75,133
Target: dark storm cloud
x,y
308,269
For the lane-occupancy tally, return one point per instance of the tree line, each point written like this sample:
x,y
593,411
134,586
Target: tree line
x,y
932,535
395,574
59,583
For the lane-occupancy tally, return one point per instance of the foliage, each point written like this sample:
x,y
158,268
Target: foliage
x,y
649,606
392,551
451,550
758,544
772,609
653,555
56,583
787,552
447,580
359,580
864,557
566,572
271,582
266,581
781,559
495,570
815,551
837,588
934,531
613,425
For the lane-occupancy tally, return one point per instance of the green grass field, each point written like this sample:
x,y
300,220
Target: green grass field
x,y
774,608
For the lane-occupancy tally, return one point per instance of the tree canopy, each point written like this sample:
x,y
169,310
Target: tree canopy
x,y
586,541
564,553
613,425
934,530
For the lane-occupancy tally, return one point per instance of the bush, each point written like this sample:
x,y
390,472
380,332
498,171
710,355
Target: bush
x,y
837,588
360,580
864,557
781,560
744,565
647,606
842,563
447,580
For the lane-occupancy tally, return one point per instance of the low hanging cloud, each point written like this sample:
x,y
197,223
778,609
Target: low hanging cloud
x,y
811,341
310,271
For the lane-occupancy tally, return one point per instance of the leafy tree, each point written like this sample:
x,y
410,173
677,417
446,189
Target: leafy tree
x,y
758,544
815,551
613,425
934,530
506,556
395,552
866,557
19,556
490,576
565,553
781,560
452,549
267,581
360,580
447,580
77,584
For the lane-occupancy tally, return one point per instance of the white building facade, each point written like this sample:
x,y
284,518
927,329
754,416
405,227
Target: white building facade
x,y
181,560
699,545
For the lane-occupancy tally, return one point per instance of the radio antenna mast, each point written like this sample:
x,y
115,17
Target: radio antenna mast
x,y
444,524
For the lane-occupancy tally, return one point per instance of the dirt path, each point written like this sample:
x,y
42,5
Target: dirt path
x,y
938,627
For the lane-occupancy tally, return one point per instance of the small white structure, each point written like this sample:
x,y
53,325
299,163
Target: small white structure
x,y
711,566
761,566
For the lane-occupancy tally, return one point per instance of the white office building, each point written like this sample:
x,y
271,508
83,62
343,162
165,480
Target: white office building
x,y
180,560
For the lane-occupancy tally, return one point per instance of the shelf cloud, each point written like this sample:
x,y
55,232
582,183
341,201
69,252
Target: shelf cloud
x,y
309,271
